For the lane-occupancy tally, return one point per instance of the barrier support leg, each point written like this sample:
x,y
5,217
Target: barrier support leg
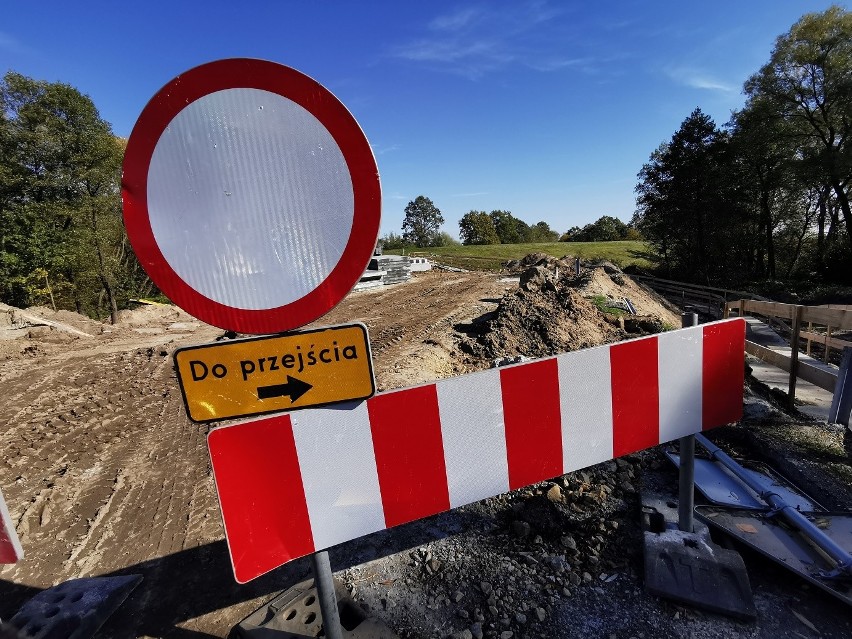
x,y
327,597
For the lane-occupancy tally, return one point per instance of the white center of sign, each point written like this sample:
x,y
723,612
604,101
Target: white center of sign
x,y
250,199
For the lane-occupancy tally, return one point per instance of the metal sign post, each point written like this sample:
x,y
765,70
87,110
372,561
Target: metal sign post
x,y
327,596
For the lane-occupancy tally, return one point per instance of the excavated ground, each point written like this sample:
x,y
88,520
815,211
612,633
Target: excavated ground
x,y
104,474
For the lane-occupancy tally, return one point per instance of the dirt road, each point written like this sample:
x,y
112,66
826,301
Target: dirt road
x,y
106,474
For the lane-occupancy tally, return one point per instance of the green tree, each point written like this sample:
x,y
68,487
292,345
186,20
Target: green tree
x,y
392,241
769,185
683,208
422,222
541,232
604,229
445,239
509,229
477,227
808,82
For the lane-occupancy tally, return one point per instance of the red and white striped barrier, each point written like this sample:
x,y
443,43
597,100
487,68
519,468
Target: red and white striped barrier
x,y
292,484
10,545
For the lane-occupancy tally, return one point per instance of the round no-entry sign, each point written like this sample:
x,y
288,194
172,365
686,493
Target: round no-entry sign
x,y
251,195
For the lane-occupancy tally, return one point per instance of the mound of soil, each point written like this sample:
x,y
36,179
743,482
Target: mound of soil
x,y
68,318
540,319
547,315
608,281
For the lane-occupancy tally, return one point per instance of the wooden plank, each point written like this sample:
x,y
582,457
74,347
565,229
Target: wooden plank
x,y
824,339
794,356
827,349
816,376
774,309
841,307
725,292
688,291
805,334
838,318
829,317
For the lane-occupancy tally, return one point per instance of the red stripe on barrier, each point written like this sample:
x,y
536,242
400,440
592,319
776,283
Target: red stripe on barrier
x,y
723,374
8,555
409,450
532,418
259,481
635,396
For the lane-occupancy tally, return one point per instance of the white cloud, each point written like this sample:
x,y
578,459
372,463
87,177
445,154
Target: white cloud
x,y
477,40
381,150
456,21
11,44
698,79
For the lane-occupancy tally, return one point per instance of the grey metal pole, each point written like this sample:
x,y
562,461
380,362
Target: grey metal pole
x,y
686,476
327,596
841,403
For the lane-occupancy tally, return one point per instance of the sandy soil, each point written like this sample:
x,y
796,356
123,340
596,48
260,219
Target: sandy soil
x,y
104,474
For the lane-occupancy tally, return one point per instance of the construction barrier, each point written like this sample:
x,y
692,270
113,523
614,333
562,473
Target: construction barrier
x,y
10,545
296,483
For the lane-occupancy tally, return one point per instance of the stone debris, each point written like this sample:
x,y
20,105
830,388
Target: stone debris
x,y
534,548
554,311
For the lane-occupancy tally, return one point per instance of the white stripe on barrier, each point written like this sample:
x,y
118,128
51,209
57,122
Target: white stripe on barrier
x,y
471,412
586,406
10,546
679,373
339,475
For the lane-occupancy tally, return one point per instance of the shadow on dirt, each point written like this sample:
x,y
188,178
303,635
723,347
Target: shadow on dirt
x,y
196,582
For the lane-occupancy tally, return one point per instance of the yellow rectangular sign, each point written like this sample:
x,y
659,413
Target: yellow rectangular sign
x,y
281,372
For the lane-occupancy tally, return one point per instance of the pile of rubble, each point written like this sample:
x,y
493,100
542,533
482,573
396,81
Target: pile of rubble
x,y
535,548
549,314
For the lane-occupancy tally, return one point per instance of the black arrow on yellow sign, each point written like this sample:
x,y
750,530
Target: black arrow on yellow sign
x,y
295,388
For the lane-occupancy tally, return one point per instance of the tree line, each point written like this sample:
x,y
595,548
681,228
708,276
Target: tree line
x,y
766,196
62,240
421,228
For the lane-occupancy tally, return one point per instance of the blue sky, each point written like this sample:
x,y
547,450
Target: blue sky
x,y
547,109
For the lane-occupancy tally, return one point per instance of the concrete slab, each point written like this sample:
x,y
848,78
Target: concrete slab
x,y
816,401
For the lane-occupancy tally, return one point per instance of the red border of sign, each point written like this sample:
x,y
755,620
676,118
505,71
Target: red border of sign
x,y
304,91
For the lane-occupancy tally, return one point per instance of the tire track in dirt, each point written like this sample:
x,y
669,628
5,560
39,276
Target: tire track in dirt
x,y
106,473
105,416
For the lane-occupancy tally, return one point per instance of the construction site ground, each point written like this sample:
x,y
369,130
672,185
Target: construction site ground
x,y
104,474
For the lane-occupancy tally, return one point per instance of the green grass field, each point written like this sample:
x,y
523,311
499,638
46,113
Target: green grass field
x,y
490,257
